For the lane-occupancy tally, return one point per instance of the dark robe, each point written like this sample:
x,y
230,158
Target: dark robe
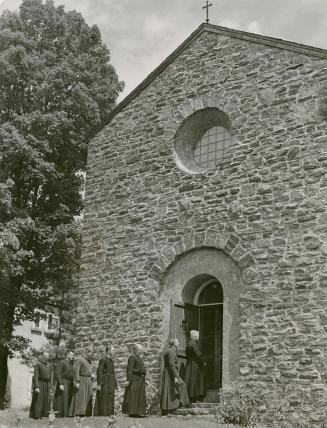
x,y
82,397
134,399
40,405
106,378
172,395
194,377
64,375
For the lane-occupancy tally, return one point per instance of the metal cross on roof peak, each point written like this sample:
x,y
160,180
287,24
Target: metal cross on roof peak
x,y
207,7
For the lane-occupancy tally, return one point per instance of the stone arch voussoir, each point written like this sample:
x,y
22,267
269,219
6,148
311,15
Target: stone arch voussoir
x,y
214,99
211,238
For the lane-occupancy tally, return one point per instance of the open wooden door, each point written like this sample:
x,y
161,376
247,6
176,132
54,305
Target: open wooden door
x,y
183,319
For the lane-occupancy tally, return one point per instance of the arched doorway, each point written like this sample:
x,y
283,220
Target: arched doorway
x,y
197,280
202,310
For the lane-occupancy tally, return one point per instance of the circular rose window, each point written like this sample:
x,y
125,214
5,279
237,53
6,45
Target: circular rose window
x,y
203,141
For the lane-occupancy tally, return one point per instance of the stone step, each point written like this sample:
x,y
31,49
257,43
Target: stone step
x,y
195,410
205,408
209,418
202,404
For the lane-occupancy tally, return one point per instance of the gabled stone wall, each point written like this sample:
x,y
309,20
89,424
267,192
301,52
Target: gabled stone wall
x,y
268,203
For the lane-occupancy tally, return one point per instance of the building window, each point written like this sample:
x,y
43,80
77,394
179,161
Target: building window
x,y
211,148
203,141
45,323
36,322
52,323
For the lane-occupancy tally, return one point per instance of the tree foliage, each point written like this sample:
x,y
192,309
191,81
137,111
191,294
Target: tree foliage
x,y
56,83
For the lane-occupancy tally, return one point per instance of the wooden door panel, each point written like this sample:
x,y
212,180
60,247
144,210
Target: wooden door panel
x,y
191,318
183,319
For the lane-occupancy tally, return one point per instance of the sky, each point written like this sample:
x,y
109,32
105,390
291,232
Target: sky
x,y
142,33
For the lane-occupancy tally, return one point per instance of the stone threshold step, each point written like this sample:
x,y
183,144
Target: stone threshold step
x,y
206,405
190,417
194,411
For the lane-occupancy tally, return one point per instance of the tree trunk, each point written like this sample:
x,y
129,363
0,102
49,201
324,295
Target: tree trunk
x,y
3,375
7,310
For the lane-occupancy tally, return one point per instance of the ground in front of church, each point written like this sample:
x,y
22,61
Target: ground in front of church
x,y
9,419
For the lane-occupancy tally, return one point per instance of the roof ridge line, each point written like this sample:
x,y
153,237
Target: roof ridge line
x,y
268,40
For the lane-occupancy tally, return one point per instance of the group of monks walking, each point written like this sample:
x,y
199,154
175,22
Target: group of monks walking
x,y
74,382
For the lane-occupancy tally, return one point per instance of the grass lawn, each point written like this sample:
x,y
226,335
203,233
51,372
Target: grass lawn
x,y
8,418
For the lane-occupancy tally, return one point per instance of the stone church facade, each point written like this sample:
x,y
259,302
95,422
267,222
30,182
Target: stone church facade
x,y
206,209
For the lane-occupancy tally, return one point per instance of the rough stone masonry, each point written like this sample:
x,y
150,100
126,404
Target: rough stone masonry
x,y
265,209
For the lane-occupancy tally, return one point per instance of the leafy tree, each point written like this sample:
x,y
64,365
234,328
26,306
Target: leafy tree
x,y
56,83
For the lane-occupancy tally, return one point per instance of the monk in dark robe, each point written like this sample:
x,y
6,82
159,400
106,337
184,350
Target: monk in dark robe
x,y
173,389
40,405
134,403
64,376
81,404
106,385
194,376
